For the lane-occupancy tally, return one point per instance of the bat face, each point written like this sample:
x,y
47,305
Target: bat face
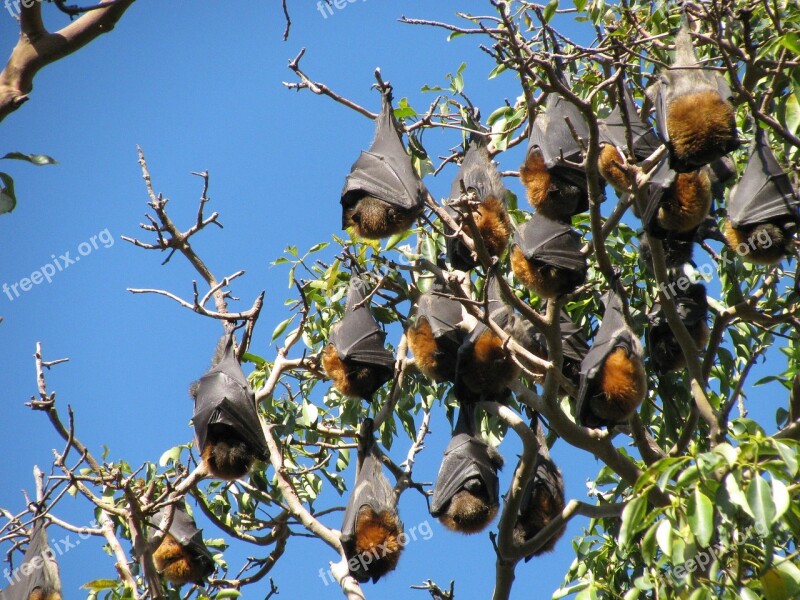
x,y
182,556
37,575
542,501
227,427
382,195
613,379
371,530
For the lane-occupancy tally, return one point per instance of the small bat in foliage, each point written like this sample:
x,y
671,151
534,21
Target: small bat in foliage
x,y
613,138
479,175
693,111
182,556
383,194
613,379
763,208
226,424
435,334
37,577
554,184
466,494
372,533
542,499
676,202
356,358
665,353
547,257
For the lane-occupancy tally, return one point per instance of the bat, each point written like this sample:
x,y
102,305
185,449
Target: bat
x,y
613,138
226,424
542,499
356,358
37,577
546,257
763,208
372,532
678,250
693,111
514,324
613,380
666,355
721,172
182,556
479,175
554,185
676,201
466,494
573,347
435,334
383,194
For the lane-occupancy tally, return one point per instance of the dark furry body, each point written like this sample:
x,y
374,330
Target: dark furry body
x,y
688,202
372,218
226,454
621,387
378,535
470,510
176,563
753,238
546,503
702,127
487,367
549,194
547,281
665,352
351,378
431,356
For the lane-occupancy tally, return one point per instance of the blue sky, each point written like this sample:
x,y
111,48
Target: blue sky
x,y
199,88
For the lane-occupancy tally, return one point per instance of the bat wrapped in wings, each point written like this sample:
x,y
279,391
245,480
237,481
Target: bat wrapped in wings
x,y
555,185
676,202
182,556
693,111
479,175
613,379
383,194
665,352
226,425
763,208
372,533
36,578
466,494
356,358
547,257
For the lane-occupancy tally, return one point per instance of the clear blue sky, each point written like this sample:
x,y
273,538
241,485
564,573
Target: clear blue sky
x,y
198,86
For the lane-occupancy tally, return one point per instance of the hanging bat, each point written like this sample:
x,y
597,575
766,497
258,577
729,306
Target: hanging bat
x,y
542,499
226,424
514,324
479,175
435,334
383,194
356,358
573,347
665,352
613,379
37,577
554,185
693,111
466,493
372,532
546,257
763,208
676,201
678,250
182,556
721,172
613,138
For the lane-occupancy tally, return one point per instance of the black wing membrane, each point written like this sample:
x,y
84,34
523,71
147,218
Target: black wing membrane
x,y
185,531
224,396
41,566
660,185
443,314
551,242
553,137
764,192
385,171
357,336
644,138
466,460
573,342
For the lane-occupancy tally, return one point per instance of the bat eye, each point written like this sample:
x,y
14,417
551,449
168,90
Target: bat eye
x,y
356,218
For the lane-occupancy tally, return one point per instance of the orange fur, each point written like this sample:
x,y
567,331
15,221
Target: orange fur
x,y
378,535
176,563
39,594
424,348
353,380
373,219
543,508
622,387
488,368
608,164
468,512
535,178
688,203
225,454
746,242
701,126
494,225
546,281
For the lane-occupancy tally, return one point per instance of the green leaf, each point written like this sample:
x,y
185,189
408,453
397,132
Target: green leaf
x,y
664,537
34,159
701,517
550,10
281,327
8,199
171,455
760,502
790,41
793,114
632,516
310,414
781,498
229,594
748,594
100,584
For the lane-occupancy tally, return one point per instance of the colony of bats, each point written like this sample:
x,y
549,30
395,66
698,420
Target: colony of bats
x,y
383,196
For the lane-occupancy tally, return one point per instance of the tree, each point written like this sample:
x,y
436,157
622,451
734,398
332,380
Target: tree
x,y
689,502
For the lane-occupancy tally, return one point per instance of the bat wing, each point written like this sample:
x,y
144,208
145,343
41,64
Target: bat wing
x,y
499,310
442,314
224,396
574,343
478,173
466,459
551,242
372,489
662,88
559,144
721,171
659,186
43,573
385,170
612,130
185,531
764,191
357,336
